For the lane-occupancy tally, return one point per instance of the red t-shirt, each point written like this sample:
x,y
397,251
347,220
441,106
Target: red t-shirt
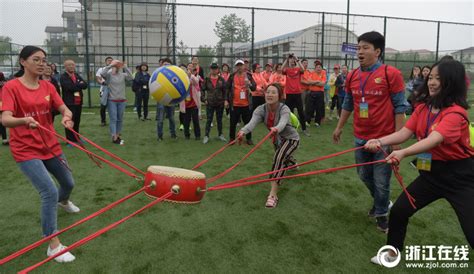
x,y
293,80
189,101
27,144
214,81
381,120
450,124
239,87
225,75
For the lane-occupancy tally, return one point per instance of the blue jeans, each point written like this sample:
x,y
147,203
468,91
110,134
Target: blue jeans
x,y
116,110
37,172
160,116
376,177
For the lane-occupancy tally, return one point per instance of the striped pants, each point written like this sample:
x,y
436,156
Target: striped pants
x,y
283,157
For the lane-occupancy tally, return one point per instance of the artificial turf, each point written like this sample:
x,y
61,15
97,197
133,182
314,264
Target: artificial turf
x,y
319,226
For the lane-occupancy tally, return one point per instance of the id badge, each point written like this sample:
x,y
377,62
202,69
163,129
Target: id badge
x,y
77,94
363,110
242,95
423,161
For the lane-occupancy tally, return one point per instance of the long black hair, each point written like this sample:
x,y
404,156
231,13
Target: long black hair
x,y
26,52
412,75
452,76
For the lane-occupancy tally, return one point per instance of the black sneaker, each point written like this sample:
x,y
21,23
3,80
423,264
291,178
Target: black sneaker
x,y
160,138
187,137
382,223
250,142
371,213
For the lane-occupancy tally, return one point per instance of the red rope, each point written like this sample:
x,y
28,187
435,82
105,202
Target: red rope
x,y
241,160
297,165
234,185
400,180
107,152
214,154
44,240
96,234
79,141
89,152
61,160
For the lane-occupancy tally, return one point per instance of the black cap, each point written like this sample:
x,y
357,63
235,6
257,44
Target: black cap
x,y
214,66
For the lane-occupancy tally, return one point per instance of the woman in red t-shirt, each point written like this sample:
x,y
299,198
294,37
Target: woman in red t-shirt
x,y
445,158
27,103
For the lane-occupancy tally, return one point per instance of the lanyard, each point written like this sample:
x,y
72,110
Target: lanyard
x,y
429,121
362,84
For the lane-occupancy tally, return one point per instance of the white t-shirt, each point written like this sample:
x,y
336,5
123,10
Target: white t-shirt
x,y
98,74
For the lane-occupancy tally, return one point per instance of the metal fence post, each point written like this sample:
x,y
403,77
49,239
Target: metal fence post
x,y
322,39
173,19
123,29
253,38
11,58
86,36
347,28
437,40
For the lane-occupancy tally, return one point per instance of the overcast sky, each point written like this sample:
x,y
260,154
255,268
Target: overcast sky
x,y
25,20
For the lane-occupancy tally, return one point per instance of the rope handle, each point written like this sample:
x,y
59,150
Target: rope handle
x,y
96,234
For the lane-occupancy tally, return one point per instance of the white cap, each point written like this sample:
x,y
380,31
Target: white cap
x,y
238,62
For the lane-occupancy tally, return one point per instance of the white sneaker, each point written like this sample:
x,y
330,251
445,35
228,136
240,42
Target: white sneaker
x,y
205,140
64,258
222,138
388,258
69,207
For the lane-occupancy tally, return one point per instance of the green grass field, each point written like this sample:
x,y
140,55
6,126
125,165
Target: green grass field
x,y
319,226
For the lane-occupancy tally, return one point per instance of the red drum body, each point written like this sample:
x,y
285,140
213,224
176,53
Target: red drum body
x,y
188,186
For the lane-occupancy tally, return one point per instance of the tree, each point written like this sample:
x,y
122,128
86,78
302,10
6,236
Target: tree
x,y
231,29
206,56
182,53
5,48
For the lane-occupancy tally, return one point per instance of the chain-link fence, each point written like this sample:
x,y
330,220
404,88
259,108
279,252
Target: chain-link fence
x,y
139,31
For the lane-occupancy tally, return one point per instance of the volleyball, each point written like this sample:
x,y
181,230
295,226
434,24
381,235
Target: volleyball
x,y
169,85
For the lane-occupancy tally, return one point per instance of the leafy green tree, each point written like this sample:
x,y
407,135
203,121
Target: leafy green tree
x,y
231,28
206,56
5,42
182,52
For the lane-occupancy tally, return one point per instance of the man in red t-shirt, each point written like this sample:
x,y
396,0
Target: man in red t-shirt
x,y
238,89
293,70
375,92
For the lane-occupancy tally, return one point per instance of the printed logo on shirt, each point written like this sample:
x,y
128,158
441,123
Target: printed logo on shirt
x,y
47,97
378,80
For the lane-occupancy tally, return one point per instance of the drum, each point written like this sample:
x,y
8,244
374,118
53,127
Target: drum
x,y
188,186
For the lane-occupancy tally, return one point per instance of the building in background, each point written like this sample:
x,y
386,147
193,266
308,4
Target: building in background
x,y
465,56
146,27
305,43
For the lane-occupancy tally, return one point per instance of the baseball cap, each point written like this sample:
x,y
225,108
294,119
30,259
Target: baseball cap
x,y
239,62
214,66
318,62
